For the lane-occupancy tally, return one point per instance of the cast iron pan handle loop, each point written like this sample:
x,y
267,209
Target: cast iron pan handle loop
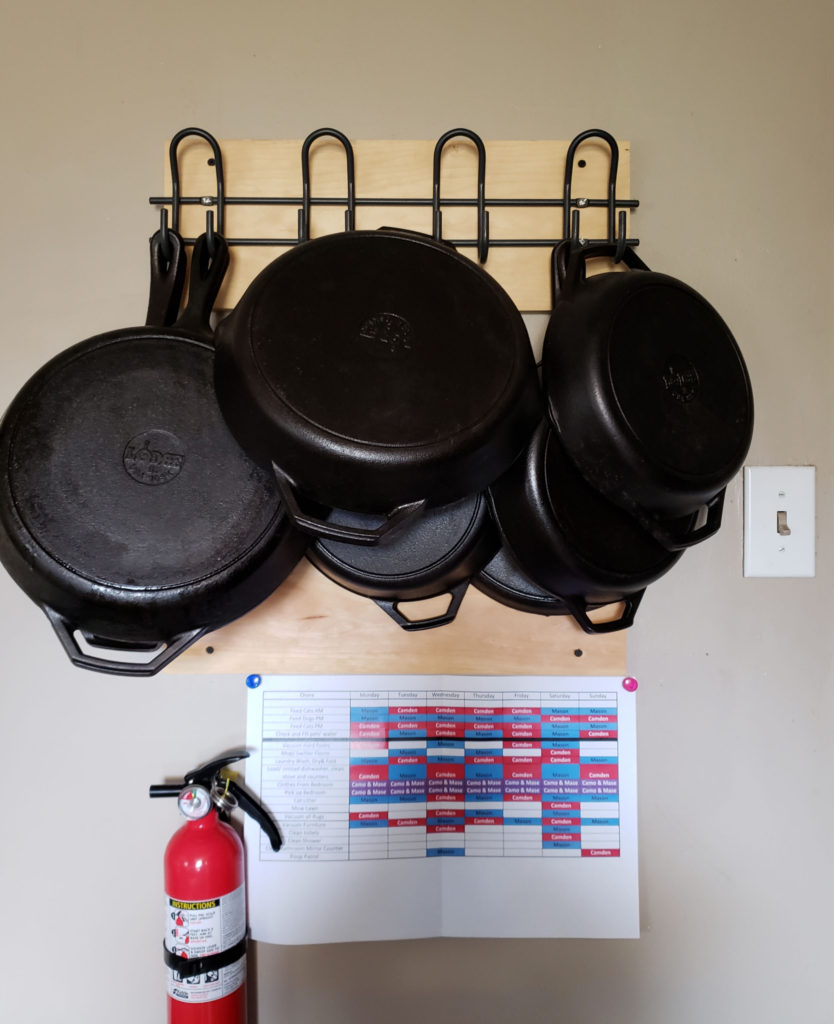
x,y
304,212
483,215
676,534
392,608
66,634
568,265
396,520
220,199
579,611
167,275
207,273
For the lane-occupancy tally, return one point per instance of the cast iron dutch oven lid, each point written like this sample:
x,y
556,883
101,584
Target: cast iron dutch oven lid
x,y
127,509
378,368
646,386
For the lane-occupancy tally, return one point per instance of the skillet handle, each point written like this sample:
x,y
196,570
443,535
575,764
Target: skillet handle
x,y
396,520
675,535
173,647
568,265
204,280
392,608
167,279
579,611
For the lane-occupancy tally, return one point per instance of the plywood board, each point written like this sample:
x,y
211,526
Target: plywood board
x,y
311,625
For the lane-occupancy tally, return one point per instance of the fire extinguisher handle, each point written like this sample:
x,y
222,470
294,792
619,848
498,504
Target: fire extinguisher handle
x,y
204,774
250,806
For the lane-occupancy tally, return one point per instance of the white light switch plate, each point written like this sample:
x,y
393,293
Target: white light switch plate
x,y
779,521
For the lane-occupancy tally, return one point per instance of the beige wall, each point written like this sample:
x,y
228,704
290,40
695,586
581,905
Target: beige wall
x,y
728,107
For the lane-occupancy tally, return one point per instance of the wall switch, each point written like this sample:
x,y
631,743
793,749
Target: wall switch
x,y
779,521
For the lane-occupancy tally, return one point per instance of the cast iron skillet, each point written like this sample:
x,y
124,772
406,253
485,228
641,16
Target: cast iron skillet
x,y
379,372
438,554
648,391
128,512
571,541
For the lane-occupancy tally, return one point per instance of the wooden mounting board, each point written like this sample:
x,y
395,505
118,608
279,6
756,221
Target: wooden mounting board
x,y
401,169
311,625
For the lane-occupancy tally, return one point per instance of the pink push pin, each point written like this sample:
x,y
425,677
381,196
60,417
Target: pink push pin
x,y
630,684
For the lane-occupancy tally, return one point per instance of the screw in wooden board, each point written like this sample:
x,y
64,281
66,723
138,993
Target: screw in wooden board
x,y
209,650
578,653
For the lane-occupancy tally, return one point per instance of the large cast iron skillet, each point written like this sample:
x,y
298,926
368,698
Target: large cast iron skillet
x,y
128,512
648,391
378,372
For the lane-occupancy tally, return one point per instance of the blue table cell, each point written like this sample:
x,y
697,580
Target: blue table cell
x,y
560,771
406,734
548,844
380,823
600,821
443,851
368,799
406,771
369,714
446,821
593,759
445,758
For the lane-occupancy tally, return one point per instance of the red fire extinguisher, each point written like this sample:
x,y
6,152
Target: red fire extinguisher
x,y
205,897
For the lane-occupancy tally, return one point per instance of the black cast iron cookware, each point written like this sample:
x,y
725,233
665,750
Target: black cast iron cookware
x,y
380,372
648,390
502,580
571,541
128,511
436,555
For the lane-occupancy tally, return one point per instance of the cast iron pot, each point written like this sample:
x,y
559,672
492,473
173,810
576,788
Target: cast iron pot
x,y
128,512
571,541
379,372
648,391
436,555
503,581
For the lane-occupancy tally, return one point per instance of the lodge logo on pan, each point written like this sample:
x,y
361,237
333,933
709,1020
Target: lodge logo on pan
x,y
681,379
387,334
153,457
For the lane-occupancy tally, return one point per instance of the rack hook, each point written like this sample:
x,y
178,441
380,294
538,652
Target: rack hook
x,y
304,212
219,200
570,218
483,215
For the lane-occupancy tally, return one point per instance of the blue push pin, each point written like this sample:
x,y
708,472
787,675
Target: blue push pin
x,y
253,682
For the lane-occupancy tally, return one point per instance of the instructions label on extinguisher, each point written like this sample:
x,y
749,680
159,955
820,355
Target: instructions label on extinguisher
x,y
195,928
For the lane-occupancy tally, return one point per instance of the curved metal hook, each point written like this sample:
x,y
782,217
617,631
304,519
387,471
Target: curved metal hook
x,y
570,218
304,212
219,199
483,215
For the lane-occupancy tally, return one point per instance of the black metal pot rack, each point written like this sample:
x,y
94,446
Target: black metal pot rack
x,y
572,206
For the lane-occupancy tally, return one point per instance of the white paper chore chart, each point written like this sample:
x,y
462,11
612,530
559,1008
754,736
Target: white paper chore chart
x,y
418,806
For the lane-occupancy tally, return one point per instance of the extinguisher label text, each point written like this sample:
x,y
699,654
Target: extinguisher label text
x,y
197,928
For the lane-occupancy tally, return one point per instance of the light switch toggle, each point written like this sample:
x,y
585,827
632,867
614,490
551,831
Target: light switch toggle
x,y
782,527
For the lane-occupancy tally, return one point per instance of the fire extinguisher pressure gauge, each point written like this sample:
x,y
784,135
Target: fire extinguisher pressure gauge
x,y
194,802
